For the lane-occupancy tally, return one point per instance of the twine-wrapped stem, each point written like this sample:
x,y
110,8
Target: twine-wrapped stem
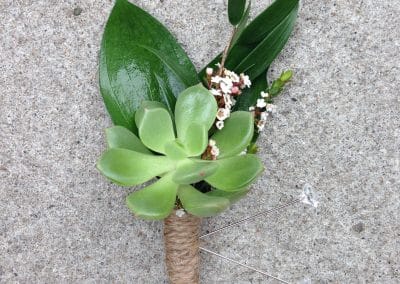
x,y
181,238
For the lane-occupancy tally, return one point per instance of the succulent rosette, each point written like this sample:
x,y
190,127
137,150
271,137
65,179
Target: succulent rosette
x,y
180,150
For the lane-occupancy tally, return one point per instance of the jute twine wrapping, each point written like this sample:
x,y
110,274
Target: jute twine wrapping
x,y
181,238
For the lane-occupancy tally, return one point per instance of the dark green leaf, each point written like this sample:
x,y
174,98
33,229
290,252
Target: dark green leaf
x,y
200,204
236,11
242,24
140,60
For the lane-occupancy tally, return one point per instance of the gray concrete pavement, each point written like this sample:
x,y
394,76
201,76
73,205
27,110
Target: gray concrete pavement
x,y
337,128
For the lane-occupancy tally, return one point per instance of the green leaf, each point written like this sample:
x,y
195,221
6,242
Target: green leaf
x,y
194,105
155,127
242,24
126,167
120,137
192,171
175,150
236,134
231,196
236,11
262,40
236,172
196,139
140,60
200,204
155,201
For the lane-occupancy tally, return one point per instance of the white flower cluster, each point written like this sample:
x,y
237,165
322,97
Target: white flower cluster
x,y
261,111
212,151
225,86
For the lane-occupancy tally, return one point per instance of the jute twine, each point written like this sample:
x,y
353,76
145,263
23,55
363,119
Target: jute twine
x,y
181,238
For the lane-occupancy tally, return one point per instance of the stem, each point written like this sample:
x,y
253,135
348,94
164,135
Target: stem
x,y
226,50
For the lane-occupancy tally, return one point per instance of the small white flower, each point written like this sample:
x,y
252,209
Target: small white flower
x,y
261,103
264,95
209,71
214,151
233,101
226,85
264,115
246,81
180,213
234,77
260,125
216,92
244,152
271,108
216,79
223,113
211,143
252,108
228,101
219,124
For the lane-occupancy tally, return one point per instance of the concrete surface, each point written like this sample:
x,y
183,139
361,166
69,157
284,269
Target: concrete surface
x,y
337,128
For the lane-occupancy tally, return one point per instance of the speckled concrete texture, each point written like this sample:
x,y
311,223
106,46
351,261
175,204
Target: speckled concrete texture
x,y
337,128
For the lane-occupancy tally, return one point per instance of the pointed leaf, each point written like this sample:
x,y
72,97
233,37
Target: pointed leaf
x,y
200,204
120,137
140,60
192,171
194,105
236,134
236,11
236,172
155,201
231,196
155,127
126,167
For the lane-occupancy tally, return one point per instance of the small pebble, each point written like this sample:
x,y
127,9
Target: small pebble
x,y
77,11
359,227
294,99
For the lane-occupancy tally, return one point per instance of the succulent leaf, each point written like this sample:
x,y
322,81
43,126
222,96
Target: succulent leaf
x,y
155,201
121,137
195,139
236,134
127,168
232,196
175,150
200,204
235,172
154,126
194,105
192,171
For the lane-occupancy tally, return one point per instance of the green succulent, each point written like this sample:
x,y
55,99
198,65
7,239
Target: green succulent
x,y
172,153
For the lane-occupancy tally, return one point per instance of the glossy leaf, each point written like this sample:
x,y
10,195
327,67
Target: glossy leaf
x,y
126,167
262,40
242,24
194,105
236,9
231,196
195,139
155,201
200,204
192,171
155,127
236,134
140,60
236,172
120,137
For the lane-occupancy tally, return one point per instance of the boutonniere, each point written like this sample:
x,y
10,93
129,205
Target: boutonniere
x,y
191,134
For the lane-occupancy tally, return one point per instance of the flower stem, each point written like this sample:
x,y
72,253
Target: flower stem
x,y
226,50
